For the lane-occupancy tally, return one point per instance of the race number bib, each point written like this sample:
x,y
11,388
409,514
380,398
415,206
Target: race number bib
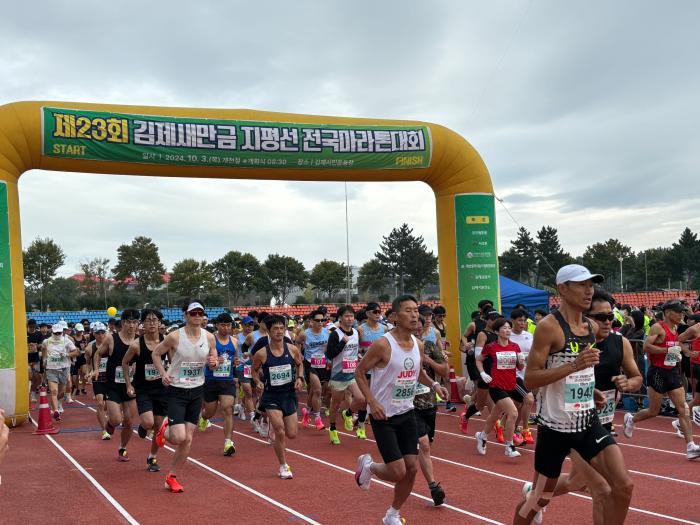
x,y
673,357
247,372
349,365
119,375
578,391
280,375
607,413
55,359
191,371
224,369
404,391
422,389
318,361
102,367
151,372
506,360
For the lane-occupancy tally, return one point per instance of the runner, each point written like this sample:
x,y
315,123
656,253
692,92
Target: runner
x,y
56,353
34,340
343,351
98,373
243,372
313,341
190,349
396,362
77,371
664,376
219,387
560,365
691,341
120,406
520,336
151,400
282,369
506,358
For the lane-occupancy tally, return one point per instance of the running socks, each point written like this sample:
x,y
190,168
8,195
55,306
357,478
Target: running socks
x,y
361,416
471,411
333,427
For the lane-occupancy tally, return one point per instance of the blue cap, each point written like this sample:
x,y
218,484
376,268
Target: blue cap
x,y
247,320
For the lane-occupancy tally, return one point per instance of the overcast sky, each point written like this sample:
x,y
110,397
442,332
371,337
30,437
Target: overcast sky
x,y
586,114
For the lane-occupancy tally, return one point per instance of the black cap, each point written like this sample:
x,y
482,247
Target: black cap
x,y
371,306
673,304
424,309
31,322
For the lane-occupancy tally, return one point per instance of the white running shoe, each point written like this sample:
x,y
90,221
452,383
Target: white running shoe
x,y
32,397
677,427
527,487
511,452
264,427
480,443
693,450
60,408
363,474
285,472
393,519
628,426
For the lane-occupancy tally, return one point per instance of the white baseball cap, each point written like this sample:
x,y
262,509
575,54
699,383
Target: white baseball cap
x,y
57,328
195,306
98,327
79,327
577,273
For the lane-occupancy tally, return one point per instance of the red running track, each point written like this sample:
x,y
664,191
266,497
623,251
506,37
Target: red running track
x,y
41,484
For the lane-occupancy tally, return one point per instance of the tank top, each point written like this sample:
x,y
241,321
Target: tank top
x,y
344,364
189,360
146,375
431,335
115,373
672,358
315,347
225,370
369,336
394,386
257,334
279,373
101,366
241,339
567,405
609,365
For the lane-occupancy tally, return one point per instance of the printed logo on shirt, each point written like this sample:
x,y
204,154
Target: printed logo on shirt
x,y
408,363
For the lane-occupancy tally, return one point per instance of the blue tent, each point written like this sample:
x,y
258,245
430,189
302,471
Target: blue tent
x,y
514,292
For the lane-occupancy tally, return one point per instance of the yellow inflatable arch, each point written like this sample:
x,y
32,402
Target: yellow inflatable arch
x,y
242,144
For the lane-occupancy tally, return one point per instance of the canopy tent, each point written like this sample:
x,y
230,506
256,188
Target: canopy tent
x,y
514,292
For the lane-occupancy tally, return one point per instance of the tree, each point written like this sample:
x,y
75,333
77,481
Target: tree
x,y
686,256
329,277
42,260
95,273
550,256
62,294
140,261
398,250
191,278
238,272
520,260
422,270
372,277
604,258
280,274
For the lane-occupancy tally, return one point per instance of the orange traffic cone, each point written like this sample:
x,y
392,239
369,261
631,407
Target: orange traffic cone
x,y
454,393
45,425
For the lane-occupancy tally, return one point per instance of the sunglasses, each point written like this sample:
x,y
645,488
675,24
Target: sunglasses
x,y
196,313
376,312
603,317
318,320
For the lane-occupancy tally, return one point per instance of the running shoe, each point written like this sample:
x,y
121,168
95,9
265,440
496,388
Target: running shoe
x,y
122,455
463,423
677,427
109,428
693,450
142,432
363,473
285,472
328,412
319,423
511,452
437,494
481,443
57,415
527,487
229,448
203,424
256,426
467,400
106,436
241,413
347,420
393,519
160,436
449,407
60,408
527,436
32,397
628,426
264,426
333,435
172,484
361,434
305,417
152,465
499,432
518,440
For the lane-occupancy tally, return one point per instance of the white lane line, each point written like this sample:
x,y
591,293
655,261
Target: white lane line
x,y
574,494
380,482
128,517
238,484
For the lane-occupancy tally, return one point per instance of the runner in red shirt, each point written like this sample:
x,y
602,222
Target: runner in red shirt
x,y
505,358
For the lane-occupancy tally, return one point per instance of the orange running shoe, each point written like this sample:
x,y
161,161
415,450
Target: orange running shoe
x,y
305,417
463,423
160,436
499,432
527,436
518,439
172,484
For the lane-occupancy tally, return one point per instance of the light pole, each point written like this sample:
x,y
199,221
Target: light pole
x,y
41,290
622,287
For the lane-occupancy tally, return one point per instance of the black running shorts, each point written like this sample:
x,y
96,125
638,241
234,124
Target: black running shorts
x,y
497,394
552,447
322,373
184,404
425,422
397,436
99,388
214,388
285,402
116,392
664,380
152,400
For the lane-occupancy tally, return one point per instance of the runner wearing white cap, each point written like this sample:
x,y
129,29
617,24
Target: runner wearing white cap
x,y
56,352
99,379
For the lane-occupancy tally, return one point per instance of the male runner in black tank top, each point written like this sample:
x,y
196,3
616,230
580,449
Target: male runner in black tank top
x,y
120,407
151,397
99,378
561,370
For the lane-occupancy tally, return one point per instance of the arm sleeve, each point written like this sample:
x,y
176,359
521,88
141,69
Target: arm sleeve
x,y
335,345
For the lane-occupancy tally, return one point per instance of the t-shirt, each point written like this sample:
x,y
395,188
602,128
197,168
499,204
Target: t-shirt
x,y
425,397
524,341
504,360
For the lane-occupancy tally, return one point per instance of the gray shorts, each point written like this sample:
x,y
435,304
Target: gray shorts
x,y
59,376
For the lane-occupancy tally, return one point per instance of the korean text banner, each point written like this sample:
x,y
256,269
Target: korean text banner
x,y
94,135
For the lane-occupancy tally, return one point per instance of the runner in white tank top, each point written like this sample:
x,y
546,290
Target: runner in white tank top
x,y
190,349
396,362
